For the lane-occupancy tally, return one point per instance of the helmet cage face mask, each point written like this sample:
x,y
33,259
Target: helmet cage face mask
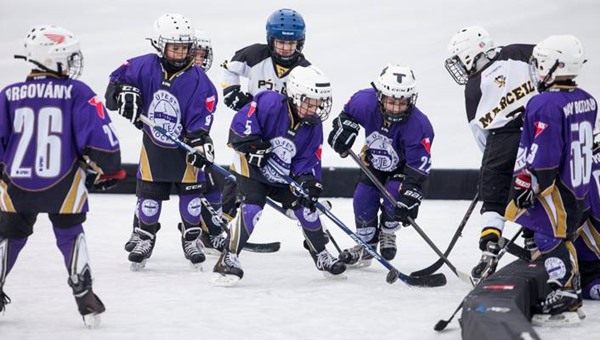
x,y
396,81
466,48
555,56
310,83
203,43
174,29
287,25
54,49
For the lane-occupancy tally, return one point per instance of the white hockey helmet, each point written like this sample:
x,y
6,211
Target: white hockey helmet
x,y
310,82
396,81
173,28
557,55
54,49
204,43
466,48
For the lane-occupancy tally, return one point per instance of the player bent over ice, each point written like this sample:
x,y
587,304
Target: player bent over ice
x,y
283,131
553,170
397,150
52,130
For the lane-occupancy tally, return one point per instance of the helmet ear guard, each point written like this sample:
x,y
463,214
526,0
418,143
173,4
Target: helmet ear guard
x,y
396,81
53,49
203,42
555,56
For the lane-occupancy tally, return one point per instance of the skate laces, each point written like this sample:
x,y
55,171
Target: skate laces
x,y
143,247
232,260
387,240
325,260
192,247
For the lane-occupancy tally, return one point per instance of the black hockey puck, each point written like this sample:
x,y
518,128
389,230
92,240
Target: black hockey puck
x,y
392,276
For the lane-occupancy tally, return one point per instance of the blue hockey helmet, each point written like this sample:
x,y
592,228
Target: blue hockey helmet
x,y
286,24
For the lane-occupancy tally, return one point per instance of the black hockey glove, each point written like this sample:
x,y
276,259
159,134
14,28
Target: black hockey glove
x,y
312,187
257,153
523,194
205,150
234,98
343,135
102,182
129,103
408,204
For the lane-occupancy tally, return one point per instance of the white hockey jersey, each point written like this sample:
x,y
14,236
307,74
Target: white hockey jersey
x,y
255,63
497,95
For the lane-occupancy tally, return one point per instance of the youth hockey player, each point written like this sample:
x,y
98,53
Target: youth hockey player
x,y
497,88
266,66
553,169
397,150
52,126
168,89
282,131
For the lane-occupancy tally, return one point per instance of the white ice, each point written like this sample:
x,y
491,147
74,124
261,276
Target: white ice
x,y
282,295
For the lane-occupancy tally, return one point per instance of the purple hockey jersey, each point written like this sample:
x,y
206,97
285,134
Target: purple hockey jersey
x,y
182,104
556,145
296,146
588,245
393,146
47,126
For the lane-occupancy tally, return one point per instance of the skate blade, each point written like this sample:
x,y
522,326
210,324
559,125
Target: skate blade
x,y
220,280
92,321
196,267
211,252
138,266
330,276
359,264
565,319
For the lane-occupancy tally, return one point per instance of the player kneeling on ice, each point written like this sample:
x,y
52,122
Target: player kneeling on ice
x,y
283,131
167,89
553,171
52,129
397,150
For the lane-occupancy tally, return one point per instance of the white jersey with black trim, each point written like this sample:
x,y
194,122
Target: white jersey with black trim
x,y
255,63
497,95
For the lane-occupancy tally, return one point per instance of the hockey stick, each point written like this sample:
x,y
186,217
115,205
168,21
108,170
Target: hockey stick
x,y
464,277
440,262
394,274
255,247
441,325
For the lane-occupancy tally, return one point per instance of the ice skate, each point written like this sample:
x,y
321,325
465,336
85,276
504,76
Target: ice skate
x,y
213,244
192,246
329,265
228,270
487,264
325,236
357,257
387,245
142,251
89,305
132,242
560,308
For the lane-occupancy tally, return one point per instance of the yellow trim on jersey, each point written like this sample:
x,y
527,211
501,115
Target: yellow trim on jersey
x,y
555,210
6,203
573,256
190,175
591,237
76,196
145,165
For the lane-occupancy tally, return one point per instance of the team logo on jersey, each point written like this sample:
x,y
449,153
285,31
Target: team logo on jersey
x,y
426,142
252,109
383,155
539,128
210,104
500,81
194,207
281,157
165,112
319,152
98,105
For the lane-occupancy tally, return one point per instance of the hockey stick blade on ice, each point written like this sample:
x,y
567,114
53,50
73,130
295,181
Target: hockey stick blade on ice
x,y
440,262
394,274
462,276
253,247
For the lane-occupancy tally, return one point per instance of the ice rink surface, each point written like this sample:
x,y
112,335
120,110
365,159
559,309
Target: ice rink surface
x,y
282,295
